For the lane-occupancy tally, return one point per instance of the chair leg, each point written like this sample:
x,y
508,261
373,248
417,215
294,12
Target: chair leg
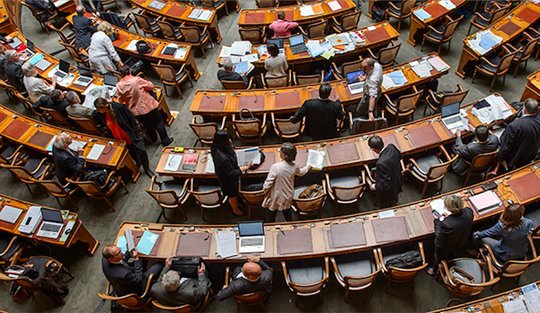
x,y
179,89
59,203
516,69
109,204
467,178
29,189
492,83
469,31
423,41
165,88
474,76
399,25
162,213
424,189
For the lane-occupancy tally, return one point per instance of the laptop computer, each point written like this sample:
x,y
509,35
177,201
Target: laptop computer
x,y
355,88
63,70
251,237
52,223
352,77
30,48
110,82
85,77
277,41
451,116
297,44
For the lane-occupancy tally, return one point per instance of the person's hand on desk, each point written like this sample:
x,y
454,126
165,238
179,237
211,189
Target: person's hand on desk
x,y
253,258
202,269
168,262
135,254
361,77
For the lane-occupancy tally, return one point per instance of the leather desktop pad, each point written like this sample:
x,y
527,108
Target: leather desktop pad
x,y
376,35
390,229
41,139
212,103
255,18
289,15
424,135
526,186
294,241
509,28
194,244
390,139
252,103
528,15
314,94
341,153
269,160
427,216
287,100
347,235
435,10
176,10
16,129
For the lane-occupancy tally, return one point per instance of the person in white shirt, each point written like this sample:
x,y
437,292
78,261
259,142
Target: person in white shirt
x,y
75,108
36,87
373,76
101,53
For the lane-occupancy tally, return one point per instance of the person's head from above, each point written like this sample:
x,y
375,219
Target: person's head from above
x,y
281,15
324,91
62,141
273,49
482,133
73,98
57,95
252,271
171,281
376,144
287,152
222,142
112,253
29,70
227,64
124,70
530,106
454,204
105,27
512,215
368,64
80,10
102,105
12,55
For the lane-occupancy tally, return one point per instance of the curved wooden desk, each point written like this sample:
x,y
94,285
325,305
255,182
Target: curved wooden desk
x,y
345,152
179,12
259,17
415,219
6,26
508,27
39,137
437,13
125,37
209,103
78,233
532,88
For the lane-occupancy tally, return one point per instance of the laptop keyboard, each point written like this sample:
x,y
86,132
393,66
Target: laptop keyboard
x,y
51,227
452,119
252,242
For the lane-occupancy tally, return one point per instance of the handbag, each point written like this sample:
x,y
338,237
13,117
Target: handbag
x,y
462,275
409,259
143,47
250,117
311,192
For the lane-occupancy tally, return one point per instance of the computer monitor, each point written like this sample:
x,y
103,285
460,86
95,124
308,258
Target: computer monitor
x,y
64,66
277,41
110,80
352,77
86,72
254,228
52,215
450,109
296,40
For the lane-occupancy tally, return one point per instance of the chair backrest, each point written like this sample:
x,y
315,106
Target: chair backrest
x,y
407,6
86,124
73,52
253,35
505,62
286,129
308,79
317,29
56,116
529,49
456,96
53,187
483,160
205,131
352,66
208,199
450,27
497,14
463,289
131,301
143,22
360,125
388,55
21,173
408,103
253,198
165,72
167,30
165,198
310,205
233,84
265,3
348,194
59,32
88,187
350,20
191,34
251,298
274,82
248,129
186,308
438,171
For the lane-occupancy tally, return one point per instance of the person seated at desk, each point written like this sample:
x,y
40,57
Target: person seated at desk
x,y
228,73
68,163
2,60
45,7
101,53
388,177
373,77
75,108
173,290
282,27
55,100
134,91
36,87
484,143
321,115
83,28
126,276
13,69
255,275
276,64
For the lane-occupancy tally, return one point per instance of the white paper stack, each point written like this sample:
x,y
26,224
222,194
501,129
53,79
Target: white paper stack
x,y
422,69
195,14
316,159
132,45
485,201
334,5
447,4
205,15
173,163
241,48
96,151
532,297
225,52
306,10
499,109
180,53
226,244
514,306
438,64
77,144
10,214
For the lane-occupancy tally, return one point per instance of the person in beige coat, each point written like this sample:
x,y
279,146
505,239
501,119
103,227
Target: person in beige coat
x,y
279,184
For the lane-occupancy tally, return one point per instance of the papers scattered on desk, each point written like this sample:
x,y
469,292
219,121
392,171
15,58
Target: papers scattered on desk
x,y
210,167
132,45
240,48
339,39
15,43
306,10
147,242
485,201
422,69
532,297
10,214
314,48
438,64
173,162
422,14
394,79
263,51
496,110
96,151
447,4
245,156
514,306
158,5
35,58
243,68
316,159
200,14
66,81
226,244
180,53
334,5
484,41
225,52
77,144
43,64
252,57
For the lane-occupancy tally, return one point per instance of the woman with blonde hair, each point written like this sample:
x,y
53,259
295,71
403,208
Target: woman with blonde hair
x,y
101,53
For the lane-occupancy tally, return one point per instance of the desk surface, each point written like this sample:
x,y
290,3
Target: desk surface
x,y
313,238
175,10
532,88
436,12
321,10
289,99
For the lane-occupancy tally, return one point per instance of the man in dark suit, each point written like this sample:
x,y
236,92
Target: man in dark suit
x,y
255,275
83,28
13,70
388,177
520,141
484,143
228,73
67,162
321,115
126,277
173,290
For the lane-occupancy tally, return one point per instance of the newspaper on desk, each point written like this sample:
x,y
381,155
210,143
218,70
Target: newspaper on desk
x,y
240,48
334,5
484,41
200,14
497,110
77,144
94,92
515,306
532,297
422,68
248,155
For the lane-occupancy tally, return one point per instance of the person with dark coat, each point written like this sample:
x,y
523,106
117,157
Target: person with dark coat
x,y
388,179
452,231
227,169
46,7
228,73
255,275
55,100
13,70
83,28
484,143
67,162
321,115
93,5
125,276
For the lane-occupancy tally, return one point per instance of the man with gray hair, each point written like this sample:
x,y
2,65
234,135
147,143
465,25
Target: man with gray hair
x,y
173,290
35,86
228,73
373,77
67,162
13,70
75,108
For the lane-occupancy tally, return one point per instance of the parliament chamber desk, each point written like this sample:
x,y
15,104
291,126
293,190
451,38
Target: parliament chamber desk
x,y
437,14
179,12
491,304
125,44
98,79
212,103
532,88
508,27
6,26
337,235
39,137
78,232
346,152
380,36
293,13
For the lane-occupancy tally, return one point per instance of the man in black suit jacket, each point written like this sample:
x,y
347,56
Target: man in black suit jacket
x,y
126,277
321,115
388,178
13,70
520,141
254,276
484,143
67,162
83,28
228,73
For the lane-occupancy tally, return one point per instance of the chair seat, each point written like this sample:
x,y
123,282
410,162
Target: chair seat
x,y
204,188
355,268
180,75
69,187
39,263
482,22
534,215
175,186
488,67
425,163
8,152
345,181
470,266
4,242
436,35
306,275
32,164
298,191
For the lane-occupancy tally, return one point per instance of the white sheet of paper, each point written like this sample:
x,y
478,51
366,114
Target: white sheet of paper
x,y
195,14
180,53
205,15
226,244
253,57
225,52
210,167
96,151
514,306
370,28
387,82
447,4
306,10
173,162
10,214
334,5
245,156
59,3
76,144
316,159
532,297
132,45
387,213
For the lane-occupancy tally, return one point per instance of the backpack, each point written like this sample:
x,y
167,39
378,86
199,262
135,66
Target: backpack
x,y
99,177
143,47
409,259
311,192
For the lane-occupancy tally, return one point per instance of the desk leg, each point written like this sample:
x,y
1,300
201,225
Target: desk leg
x,y
195,74
415,25
530,92
164,109
466,57
83,235
130,164
214,30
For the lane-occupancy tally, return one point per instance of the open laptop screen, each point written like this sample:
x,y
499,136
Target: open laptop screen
x,y
110,80
450,109
85,72
30,45
277,41
251,228
296,40
64,66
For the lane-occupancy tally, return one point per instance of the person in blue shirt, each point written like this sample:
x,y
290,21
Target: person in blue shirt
x,y
508,238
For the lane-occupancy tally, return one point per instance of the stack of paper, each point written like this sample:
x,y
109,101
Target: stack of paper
x,y
387,82
422,69
485,201
10,214
180,53
438,64
447,4
306,10
357,38
484,41
96,151
36,58
195,14
77,144
240,48
173,162
398,78
514,306
314,48
226,244
225,52
316,159
205,15
147,242
263,51
158,5
334,5
132,45
422,14
532,297
499,109
252,57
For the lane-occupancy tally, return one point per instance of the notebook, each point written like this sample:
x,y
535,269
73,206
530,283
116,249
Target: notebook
x,y
190,162
485,201
10,214
525,187
287,100
424,135
294,241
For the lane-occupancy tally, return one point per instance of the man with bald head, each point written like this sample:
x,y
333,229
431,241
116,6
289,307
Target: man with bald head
x,y
255,275
373,77
67,162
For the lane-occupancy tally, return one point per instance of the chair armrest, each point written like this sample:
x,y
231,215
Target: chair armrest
x,y
155,182
404,169
394,6
433,29
380,259
148,285
484,59
289,77
11,242
263,80
350,118
302,31
250,83
478,15
223,121
294,78
204,30
41,163
263,120
511,47
227,276
368,173
488,254
443,272
326,268
371,53
109,177
335,21
445,153
337,73
415,164
285,272
183,67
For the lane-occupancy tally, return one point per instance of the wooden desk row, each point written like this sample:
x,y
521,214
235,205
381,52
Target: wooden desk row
x,y
39,136
322,10
78,233
508,27
288,99
532,88
345,152
438,13
125,37
309,239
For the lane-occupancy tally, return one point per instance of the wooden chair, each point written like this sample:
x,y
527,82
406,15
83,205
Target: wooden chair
x,y
523,52
11,248
216,5
9,151
169,77
360,125
146,24
103,192
402,12
186,308
252,199
267,3
346,68
315,30
309,206
28,106
205,131
237,84
249,131
55,189
248,299
306,277
170,195
56,117
356,272
307,79
39,16
132,301
495,66
480,269
404,105
435,102
386,56
442,34
169,31
275,82
208,197
480,165
483,20
86,125
431,168
68,38
346,22
42,262
396,274
287,130
29,171
9,89
79,57
347,188
253,35
197,38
